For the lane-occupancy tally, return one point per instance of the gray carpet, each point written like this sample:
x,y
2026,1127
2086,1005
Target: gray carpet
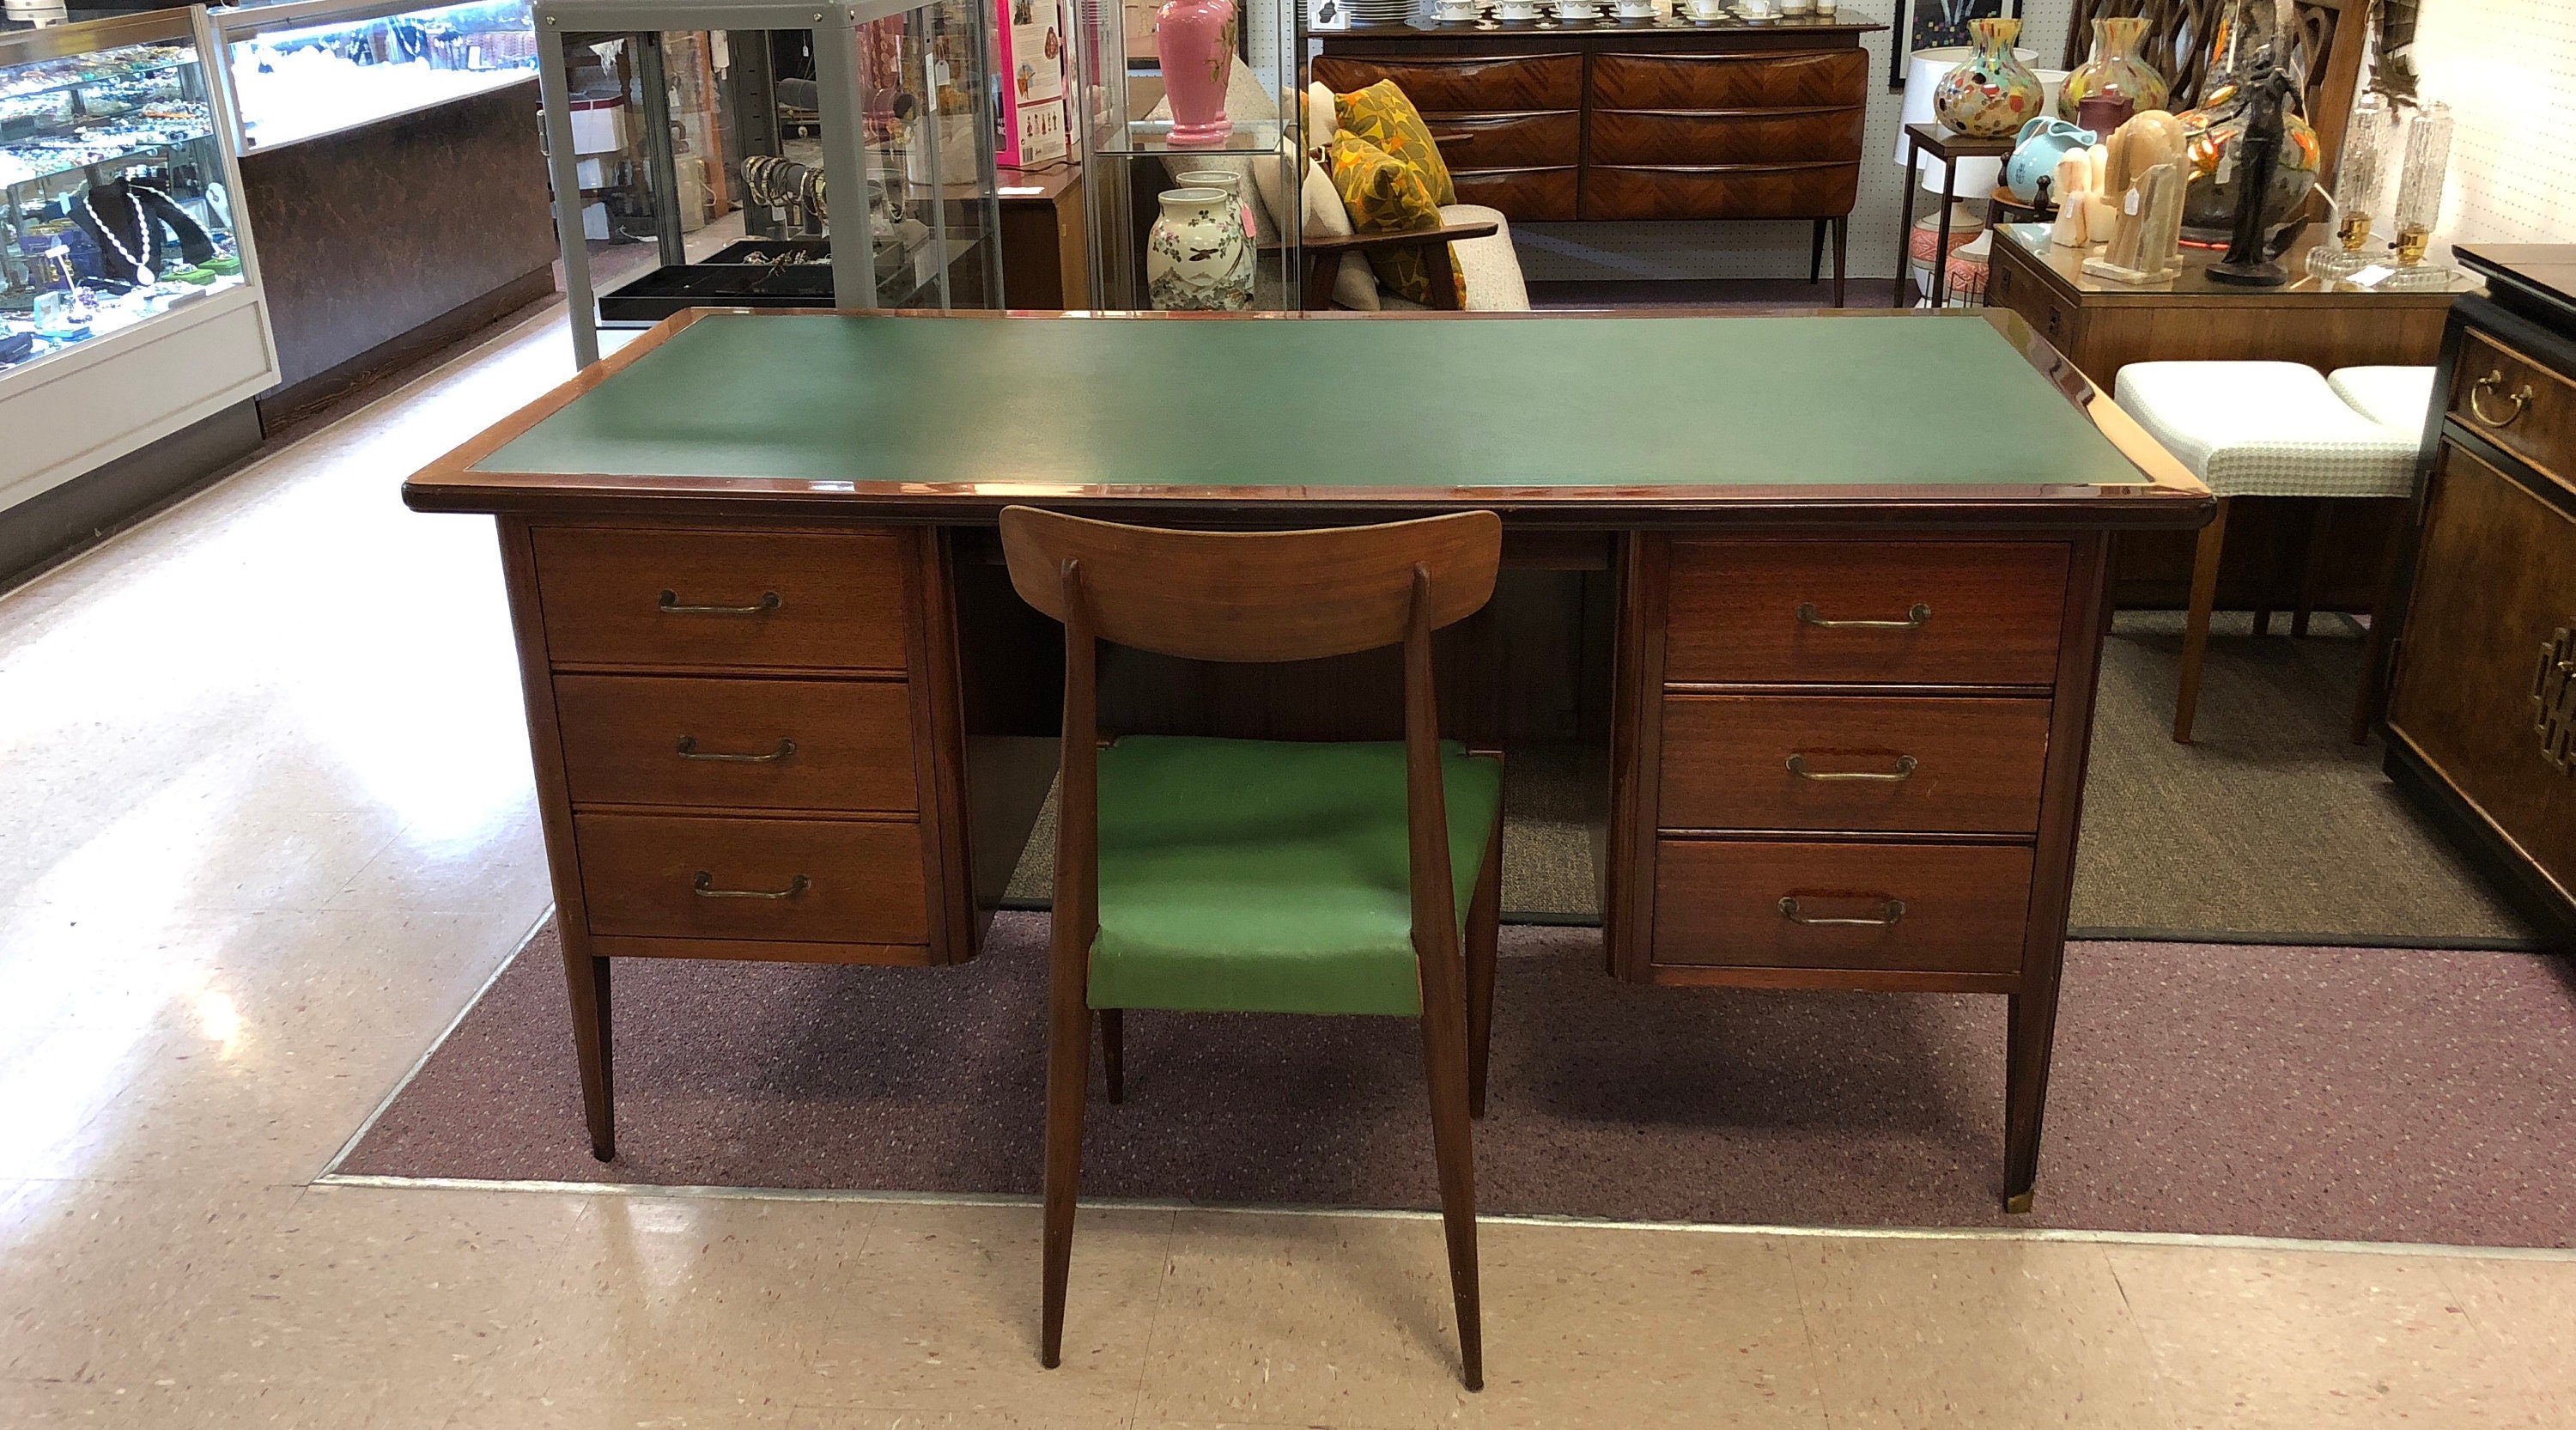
x,y
2273,828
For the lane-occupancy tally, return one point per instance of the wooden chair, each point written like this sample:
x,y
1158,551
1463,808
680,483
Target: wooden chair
x,y
1266,876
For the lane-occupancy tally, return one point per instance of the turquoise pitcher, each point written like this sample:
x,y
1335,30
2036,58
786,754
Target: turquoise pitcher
x,y
2036,150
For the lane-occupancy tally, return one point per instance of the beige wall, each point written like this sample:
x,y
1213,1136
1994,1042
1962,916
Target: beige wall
x,y
2508,70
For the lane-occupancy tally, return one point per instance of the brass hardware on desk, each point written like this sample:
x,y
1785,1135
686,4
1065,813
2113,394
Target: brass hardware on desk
x,y
1915,617
1904,771
2553,700
1891,909
2520,398
689,751
705,888
768,602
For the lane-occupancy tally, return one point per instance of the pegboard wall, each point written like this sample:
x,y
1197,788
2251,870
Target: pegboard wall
x,y
1561,251
2507,68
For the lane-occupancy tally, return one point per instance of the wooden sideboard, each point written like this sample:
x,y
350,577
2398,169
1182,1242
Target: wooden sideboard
x,y
2481,706
1622,121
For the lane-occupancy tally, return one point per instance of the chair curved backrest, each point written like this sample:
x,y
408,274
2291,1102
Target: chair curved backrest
x,y
1259,595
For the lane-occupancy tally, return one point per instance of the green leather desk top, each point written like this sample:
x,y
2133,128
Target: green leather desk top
x,y
1332,409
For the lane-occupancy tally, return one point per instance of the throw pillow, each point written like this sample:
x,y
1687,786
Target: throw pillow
x,y
1382,115
1386,195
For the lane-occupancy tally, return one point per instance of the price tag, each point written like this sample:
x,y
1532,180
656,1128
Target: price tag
x,y
1020,191
2372,276
2129,204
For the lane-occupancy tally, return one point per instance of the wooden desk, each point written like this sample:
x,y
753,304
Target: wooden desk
x,y
769,648
2104,326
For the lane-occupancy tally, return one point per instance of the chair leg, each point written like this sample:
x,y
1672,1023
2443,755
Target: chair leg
x,y
1444,1060
2312,547
1113,1050
1484,931
1068,1084
1816,254
2195,639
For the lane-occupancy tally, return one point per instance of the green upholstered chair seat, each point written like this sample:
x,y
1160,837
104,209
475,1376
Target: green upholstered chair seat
x,y
1269,877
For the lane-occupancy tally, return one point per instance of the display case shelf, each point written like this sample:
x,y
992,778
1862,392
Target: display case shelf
x,y
308,68
1152,138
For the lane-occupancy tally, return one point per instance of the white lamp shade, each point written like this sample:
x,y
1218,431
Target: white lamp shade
x,y
1977,177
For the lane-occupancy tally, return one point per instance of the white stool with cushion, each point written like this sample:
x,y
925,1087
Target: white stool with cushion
x,y
2268,429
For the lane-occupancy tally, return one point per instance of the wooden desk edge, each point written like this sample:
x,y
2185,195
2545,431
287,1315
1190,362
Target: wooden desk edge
x,y
451,483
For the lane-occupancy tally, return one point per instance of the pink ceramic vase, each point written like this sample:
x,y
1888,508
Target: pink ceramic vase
x,y
1196,40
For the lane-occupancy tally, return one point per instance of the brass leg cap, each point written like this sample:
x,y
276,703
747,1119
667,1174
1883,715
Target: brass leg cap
x,y
2019,1204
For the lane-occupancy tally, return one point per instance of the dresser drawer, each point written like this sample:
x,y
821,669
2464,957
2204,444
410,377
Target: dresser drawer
x,y
1932,908
1488,84
1651,137
1508,141
1765,81
1860,763
1940,612
1614,193
743,744
2515,403
722,598
1532,195
833,881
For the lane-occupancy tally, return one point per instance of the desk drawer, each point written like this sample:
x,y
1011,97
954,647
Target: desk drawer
x,y
1508,141
1616,193
743,744
2515,403
862,881
1753,81
1625,136
1936,766
1720,903
1464,86
1949,612
722,598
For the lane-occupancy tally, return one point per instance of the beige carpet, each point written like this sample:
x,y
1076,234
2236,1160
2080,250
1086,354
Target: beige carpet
x,y
2273,828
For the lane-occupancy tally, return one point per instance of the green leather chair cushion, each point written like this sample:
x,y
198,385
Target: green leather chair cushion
x,y
1269,877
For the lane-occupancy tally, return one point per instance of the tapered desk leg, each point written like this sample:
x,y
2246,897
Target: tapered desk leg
x,y
1816,254
586,978
2034,1028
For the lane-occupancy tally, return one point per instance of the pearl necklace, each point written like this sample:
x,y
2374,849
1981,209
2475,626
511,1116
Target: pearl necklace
x,y
142,238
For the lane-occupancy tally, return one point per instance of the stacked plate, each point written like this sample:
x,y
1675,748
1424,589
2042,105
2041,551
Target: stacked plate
x,y
1380,12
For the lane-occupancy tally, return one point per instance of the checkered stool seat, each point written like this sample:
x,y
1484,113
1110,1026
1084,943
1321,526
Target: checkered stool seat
x,y
2398,398
2270,429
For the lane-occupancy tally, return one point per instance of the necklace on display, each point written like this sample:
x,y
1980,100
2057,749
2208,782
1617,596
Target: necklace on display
x,y
142,240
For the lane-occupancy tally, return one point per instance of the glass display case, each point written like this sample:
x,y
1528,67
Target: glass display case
x,y
116,192
309,67
703,149
1189,118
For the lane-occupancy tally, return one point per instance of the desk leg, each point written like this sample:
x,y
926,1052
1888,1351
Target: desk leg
x,y
2033,1017
586,978
1941,245
1905,225
1842,253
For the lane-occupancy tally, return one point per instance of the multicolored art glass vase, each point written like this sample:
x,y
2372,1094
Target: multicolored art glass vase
x,y
2116,71
1994,93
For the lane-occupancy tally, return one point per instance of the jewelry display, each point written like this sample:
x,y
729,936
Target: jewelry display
x,y
296,83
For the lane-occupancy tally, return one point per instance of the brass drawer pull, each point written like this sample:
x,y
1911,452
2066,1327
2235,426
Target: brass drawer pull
x,y
689,751
2520,398
1914,618
1904,771
767,603
1892,909
705,887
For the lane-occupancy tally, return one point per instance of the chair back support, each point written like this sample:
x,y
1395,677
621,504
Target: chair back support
x,y
1254,596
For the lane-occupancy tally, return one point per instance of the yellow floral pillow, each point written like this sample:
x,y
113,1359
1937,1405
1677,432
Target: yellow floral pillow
x,y
1386,195
1382,115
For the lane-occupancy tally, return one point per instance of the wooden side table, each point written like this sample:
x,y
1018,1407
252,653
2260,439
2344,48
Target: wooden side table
x,y
1949,148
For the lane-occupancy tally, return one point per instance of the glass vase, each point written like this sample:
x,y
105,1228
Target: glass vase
x,y
2360,193
1994,93
2214,134
2116,71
